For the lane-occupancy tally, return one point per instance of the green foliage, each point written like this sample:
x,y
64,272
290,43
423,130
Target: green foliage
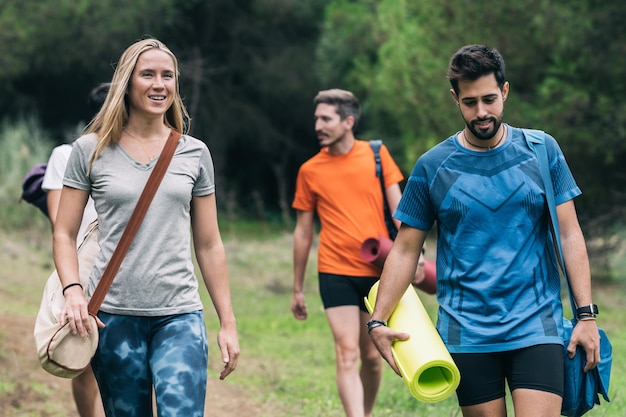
x,y
56,51
61,35
408,86
565,61
22,145
398,72
347,39
246,77
249,70
249,86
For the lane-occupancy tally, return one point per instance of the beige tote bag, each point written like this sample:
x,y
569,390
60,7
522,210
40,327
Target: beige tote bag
x,y
61,355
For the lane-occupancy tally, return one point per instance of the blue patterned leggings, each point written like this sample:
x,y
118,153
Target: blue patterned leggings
x,y
135,353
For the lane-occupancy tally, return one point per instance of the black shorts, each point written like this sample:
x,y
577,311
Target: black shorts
x,y
483,375
342,290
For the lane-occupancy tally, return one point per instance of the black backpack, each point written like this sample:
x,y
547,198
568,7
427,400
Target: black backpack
x,y
31,188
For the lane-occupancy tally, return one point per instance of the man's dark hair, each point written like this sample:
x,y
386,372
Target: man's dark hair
x,y
474,61
346,102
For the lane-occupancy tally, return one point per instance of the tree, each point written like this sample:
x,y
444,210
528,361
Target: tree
x,y
565,60
246,76
250,68
251,90
55,52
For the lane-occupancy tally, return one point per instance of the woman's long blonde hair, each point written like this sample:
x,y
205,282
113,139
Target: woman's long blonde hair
x,y
113,115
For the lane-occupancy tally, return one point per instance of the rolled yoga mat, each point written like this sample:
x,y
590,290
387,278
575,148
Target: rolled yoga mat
x,y
423,360
375,250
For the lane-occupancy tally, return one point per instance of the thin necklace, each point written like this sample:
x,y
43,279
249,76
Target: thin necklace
x,y
143,146
485,147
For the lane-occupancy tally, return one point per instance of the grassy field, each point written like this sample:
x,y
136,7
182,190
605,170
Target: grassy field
x,y
287,366
293,361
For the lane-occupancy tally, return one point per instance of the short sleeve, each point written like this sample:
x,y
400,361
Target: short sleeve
x,y
304,198
205,182
78,163
53,178
563,182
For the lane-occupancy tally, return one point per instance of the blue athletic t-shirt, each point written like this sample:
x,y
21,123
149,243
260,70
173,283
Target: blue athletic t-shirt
x,y
498,285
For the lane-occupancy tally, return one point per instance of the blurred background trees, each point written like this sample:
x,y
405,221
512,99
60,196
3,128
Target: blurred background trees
x,y
250,69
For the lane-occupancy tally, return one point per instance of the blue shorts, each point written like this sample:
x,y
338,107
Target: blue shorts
x,y
342,290
483,375
134,353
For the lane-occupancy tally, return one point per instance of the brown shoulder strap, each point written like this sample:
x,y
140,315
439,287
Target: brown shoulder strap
x,y
135,221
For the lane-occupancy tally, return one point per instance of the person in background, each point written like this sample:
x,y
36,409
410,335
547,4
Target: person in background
x,y
151,323
53,178
84,387
340,185
498,286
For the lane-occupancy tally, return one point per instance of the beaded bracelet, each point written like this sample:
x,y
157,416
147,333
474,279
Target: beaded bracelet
x,y
372,324
71,285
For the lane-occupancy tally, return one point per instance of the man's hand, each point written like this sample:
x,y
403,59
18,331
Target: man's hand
x,y
383,338
298,306
586,334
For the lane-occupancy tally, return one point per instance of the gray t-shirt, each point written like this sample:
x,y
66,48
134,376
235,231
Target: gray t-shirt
x,y
157,275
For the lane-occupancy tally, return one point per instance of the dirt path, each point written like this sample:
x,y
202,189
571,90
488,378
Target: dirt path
x,y
19,366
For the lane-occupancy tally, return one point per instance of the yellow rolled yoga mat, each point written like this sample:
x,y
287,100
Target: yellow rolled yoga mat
x,y
423,360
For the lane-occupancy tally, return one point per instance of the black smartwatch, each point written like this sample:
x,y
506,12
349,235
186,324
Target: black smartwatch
x,y
588,310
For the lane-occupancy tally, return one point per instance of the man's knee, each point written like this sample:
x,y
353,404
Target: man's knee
x,y
347,355
371,359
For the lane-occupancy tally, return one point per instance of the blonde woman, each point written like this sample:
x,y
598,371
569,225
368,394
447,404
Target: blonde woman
x,y
151,324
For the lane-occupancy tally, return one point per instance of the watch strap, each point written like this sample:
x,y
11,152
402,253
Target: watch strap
x,y
591,310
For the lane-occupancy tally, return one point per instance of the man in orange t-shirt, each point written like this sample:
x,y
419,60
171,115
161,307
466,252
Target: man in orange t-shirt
x,y
340,184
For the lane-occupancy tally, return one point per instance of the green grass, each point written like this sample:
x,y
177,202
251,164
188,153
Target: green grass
x,y
22,145
291,363
286,363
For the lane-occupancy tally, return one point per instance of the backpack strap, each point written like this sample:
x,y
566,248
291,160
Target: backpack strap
x,y
535,139
391,227
375,145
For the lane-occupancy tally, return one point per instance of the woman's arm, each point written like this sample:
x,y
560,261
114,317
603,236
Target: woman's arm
x,y
211,258
66,225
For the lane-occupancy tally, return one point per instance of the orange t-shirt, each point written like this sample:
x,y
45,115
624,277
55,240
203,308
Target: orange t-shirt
x,y
346,194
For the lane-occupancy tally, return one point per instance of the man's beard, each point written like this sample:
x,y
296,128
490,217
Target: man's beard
x,y
481,134
329,140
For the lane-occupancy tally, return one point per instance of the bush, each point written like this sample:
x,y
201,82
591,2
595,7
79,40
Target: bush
x,y
23,143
